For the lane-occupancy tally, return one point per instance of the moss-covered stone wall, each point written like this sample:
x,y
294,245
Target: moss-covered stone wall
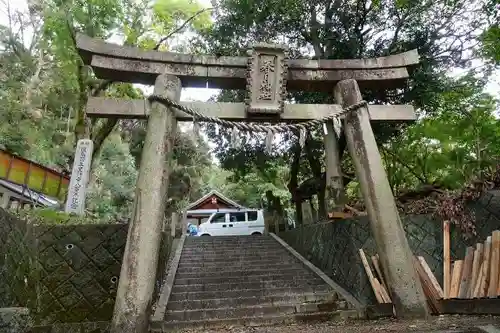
x,y
64,273
333,247
16,252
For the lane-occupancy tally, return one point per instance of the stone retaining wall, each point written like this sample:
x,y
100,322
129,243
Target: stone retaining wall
x,y
333,247
64,273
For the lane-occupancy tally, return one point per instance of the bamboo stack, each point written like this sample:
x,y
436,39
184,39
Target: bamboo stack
x,y
477,275
432,289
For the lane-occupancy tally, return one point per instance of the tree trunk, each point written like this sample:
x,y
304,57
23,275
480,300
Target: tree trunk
x,y
315,165
334,186
293,184
31,88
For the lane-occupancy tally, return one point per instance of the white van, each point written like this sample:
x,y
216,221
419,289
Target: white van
x,y
233,222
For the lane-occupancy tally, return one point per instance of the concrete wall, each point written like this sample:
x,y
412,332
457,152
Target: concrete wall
x,y
64,273
333,247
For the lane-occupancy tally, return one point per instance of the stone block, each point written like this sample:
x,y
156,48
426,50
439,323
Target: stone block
x,y
266,80
15,320
494,204
88,327
69,274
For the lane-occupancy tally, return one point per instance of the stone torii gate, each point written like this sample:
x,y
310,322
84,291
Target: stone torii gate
x,y
266,73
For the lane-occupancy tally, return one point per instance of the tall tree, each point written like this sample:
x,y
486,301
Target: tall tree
x,y
443,32
139,24
44,87
458,142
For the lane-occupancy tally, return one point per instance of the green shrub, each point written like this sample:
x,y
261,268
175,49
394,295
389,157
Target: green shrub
x,y
51,216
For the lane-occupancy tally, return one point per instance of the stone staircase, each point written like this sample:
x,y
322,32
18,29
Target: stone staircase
x,y
245,280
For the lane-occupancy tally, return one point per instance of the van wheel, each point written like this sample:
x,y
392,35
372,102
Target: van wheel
x,y
205,235
256,234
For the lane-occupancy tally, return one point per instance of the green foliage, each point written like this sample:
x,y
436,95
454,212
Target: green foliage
x,y
491,36
111,190
170,12
459,141
191,163
249,189
491,43
44,87
49,216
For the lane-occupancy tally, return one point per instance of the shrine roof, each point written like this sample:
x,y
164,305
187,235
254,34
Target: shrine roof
x,y
220,196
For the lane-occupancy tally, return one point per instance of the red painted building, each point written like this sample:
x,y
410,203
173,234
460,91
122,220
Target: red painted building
x,y
200,210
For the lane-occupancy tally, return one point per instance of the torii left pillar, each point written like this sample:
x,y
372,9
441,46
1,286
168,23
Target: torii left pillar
x,y
140,260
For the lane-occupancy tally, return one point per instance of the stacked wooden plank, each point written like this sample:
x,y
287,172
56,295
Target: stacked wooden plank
x,y
432,289
477,274
377,282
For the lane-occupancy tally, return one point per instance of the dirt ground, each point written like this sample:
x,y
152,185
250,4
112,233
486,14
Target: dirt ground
x,y
441,324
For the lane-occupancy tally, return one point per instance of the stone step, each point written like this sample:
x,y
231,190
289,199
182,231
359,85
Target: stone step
x,y
236,250
238,263
238,302
309,291
238,267
300,282
244,273
227,240
231,258
235,255
301,274
200,243
216,241
248,311
231,238
165,326
227,243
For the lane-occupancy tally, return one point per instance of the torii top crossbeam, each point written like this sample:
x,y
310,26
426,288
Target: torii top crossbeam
x,y
266,74
130,64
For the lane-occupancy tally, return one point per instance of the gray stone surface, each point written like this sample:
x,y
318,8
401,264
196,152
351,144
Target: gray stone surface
x,y
87,327
104,107
129,64
396,259
15,320
266,81
169,281
345,294
245,292
88,46
135,292
64,274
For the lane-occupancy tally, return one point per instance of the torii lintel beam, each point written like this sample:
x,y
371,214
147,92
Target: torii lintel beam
x,y
102,107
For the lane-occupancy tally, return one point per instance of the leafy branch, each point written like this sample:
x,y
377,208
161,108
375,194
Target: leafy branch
x,y
181,27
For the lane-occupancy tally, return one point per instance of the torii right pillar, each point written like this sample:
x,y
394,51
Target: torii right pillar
x,y
390,238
